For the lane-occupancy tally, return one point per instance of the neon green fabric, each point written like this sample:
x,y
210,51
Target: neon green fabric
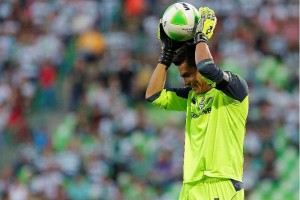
x,y
214,133
210,189
170,101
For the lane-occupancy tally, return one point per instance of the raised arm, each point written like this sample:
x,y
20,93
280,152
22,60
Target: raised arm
x,y
157,80
158,77
231,84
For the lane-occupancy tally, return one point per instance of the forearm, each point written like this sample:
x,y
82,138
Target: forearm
x,y
203,57
157,80
202,52
206,66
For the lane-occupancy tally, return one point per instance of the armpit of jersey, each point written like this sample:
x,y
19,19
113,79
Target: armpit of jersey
x,y
171,98
181,92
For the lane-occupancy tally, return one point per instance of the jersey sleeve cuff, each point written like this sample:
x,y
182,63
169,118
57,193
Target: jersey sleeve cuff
x,y
153,97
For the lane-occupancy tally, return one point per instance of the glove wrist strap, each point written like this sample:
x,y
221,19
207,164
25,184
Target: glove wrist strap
x,y
200,37
166,57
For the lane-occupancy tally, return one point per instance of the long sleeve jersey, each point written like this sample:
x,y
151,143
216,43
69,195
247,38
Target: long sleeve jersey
x,y
215,125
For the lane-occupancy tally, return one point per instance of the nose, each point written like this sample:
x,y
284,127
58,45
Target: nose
x,y
186,81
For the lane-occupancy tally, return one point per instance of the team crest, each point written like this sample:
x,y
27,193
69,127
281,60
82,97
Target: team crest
x,y
201,104
201,107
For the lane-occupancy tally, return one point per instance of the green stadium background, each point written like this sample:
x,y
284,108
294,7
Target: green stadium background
x,y
73,120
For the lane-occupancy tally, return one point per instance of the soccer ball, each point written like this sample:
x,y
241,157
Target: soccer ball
x,y
179,21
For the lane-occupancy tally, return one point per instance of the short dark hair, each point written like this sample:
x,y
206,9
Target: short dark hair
x,y
185,54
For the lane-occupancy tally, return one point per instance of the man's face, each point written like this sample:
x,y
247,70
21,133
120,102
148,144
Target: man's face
x,y
193,79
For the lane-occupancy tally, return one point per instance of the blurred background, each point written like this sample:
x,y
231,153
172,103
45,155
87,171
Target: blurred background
x,y
73,120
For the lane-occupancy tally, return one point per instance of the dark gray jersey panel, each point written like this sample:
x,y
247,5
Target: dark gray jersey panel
x,y
237,87
229,83
181,92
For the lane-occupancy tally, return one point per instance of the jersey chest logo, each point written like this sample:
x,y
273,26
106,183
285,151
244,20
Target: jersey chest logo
x,y
201,106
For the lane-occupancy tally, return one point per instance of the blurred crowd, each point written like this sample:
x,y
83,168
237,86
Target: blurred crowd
x,y
73,120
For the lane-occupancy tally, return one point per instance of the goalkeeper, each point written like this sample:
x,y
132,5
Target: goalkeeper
x,y
216,106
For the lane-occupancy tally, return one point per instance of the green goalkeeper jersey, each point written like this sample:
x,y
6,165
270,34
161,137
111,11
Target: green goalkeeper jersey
x,y
214,131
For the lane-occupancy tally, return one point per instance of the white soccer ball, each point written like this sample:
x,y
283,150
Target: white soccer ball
x,y
180,20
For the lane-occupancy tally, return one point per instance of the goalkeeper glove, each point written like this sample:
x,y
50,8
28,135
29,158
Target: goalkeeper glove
x,y
168,46
206,25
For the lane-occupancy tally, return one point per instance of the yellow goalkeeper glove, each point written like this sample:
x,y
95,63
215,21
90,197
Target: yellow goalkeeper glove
x,y
207,22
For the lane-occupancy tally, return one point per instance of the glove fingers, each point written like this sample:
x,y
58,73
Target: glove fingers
x,y
211,14
207,21
201,19
206,13
158,31
202,13
214,17
161,34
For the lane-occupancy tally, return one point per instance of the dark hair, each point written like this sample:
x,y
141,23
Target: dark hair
x,y
185,54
